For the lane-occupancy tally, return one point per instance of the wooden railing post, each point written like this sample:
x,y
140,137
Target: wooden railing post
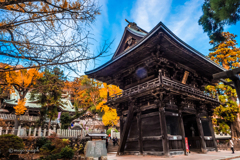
x,y
18,131
39,132
34,132
44,132
29,131
7,130
0,131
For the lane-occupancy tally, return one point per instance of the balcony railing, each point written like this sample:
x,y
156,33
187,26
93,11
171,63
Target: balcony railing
x,y
165,82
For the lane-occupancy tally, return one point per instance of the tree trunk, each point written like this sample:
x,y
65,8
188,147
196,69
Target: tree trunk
x,y
235,129
16,125
49,123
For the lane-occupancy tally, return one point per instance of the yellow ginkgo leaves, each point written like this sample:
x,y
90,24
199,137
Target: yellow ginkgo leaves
x,y
20,108
110,116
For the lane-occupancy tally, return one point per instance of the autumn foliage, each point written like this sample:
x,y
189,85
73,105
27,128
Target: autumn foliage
x,y
110,117
20,108
226,54
23,78
21,81
92,94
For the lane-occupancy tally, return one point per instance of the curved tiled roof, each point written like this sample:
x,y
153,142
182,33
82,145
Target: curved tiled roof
x,y
32,104
148,36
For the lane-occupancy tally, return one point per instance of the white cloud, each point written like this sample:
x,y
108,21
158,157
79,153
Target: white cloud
x,y
182,20
184,23
96,31
149,13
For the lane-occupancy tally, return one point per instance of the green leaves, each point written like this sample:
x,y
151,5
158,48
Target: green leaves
x,y
217,14
48,91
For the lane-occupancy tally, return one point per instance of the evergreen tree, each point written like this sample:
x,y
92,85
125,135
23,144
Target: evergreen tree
x,y
217,14
48,91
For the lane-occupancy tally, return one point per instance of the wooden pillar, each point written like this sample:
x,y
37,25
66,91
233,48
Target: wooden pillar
x,y
212,132
182,130
126,128
201,134
139,132
163,125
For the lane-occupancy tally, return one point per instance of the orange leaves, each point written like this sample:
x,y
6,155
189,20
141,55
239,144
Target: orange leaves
x,y
93,94
226,53
20,108
23,78
65,4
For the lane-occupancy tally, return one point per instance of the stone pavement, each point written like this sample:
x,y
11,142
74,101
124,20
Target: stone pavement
x,y
111,147
221,155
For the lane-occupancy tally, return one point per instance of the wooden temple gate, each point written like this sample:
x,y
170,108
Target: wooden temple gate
x,y
158,122
162,100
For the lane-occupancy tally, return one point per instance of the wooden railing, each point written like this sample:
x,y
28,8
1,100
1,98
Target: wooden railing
x,y
23,118
166,82
38,132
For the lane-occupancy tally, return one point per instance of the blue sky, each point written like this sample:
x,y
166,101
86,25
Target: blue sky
x,y
180,16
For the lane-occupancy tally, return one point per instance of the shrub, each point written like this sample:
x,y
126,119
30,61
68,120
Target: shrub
x,y
8,141
67,152
41,141
52,148
109,131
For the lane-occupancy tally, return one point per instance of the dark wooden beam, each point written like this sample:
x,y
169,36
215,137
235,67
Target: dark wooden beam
x,y
201,134
126,128
152,138
139,123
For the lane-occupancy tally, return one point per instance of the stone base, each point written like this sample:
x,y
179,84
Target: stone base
x,y
176,152
103,158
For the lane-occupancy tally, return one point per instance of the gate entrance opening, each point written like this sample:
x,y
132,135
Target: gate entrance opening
x,y
191,131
